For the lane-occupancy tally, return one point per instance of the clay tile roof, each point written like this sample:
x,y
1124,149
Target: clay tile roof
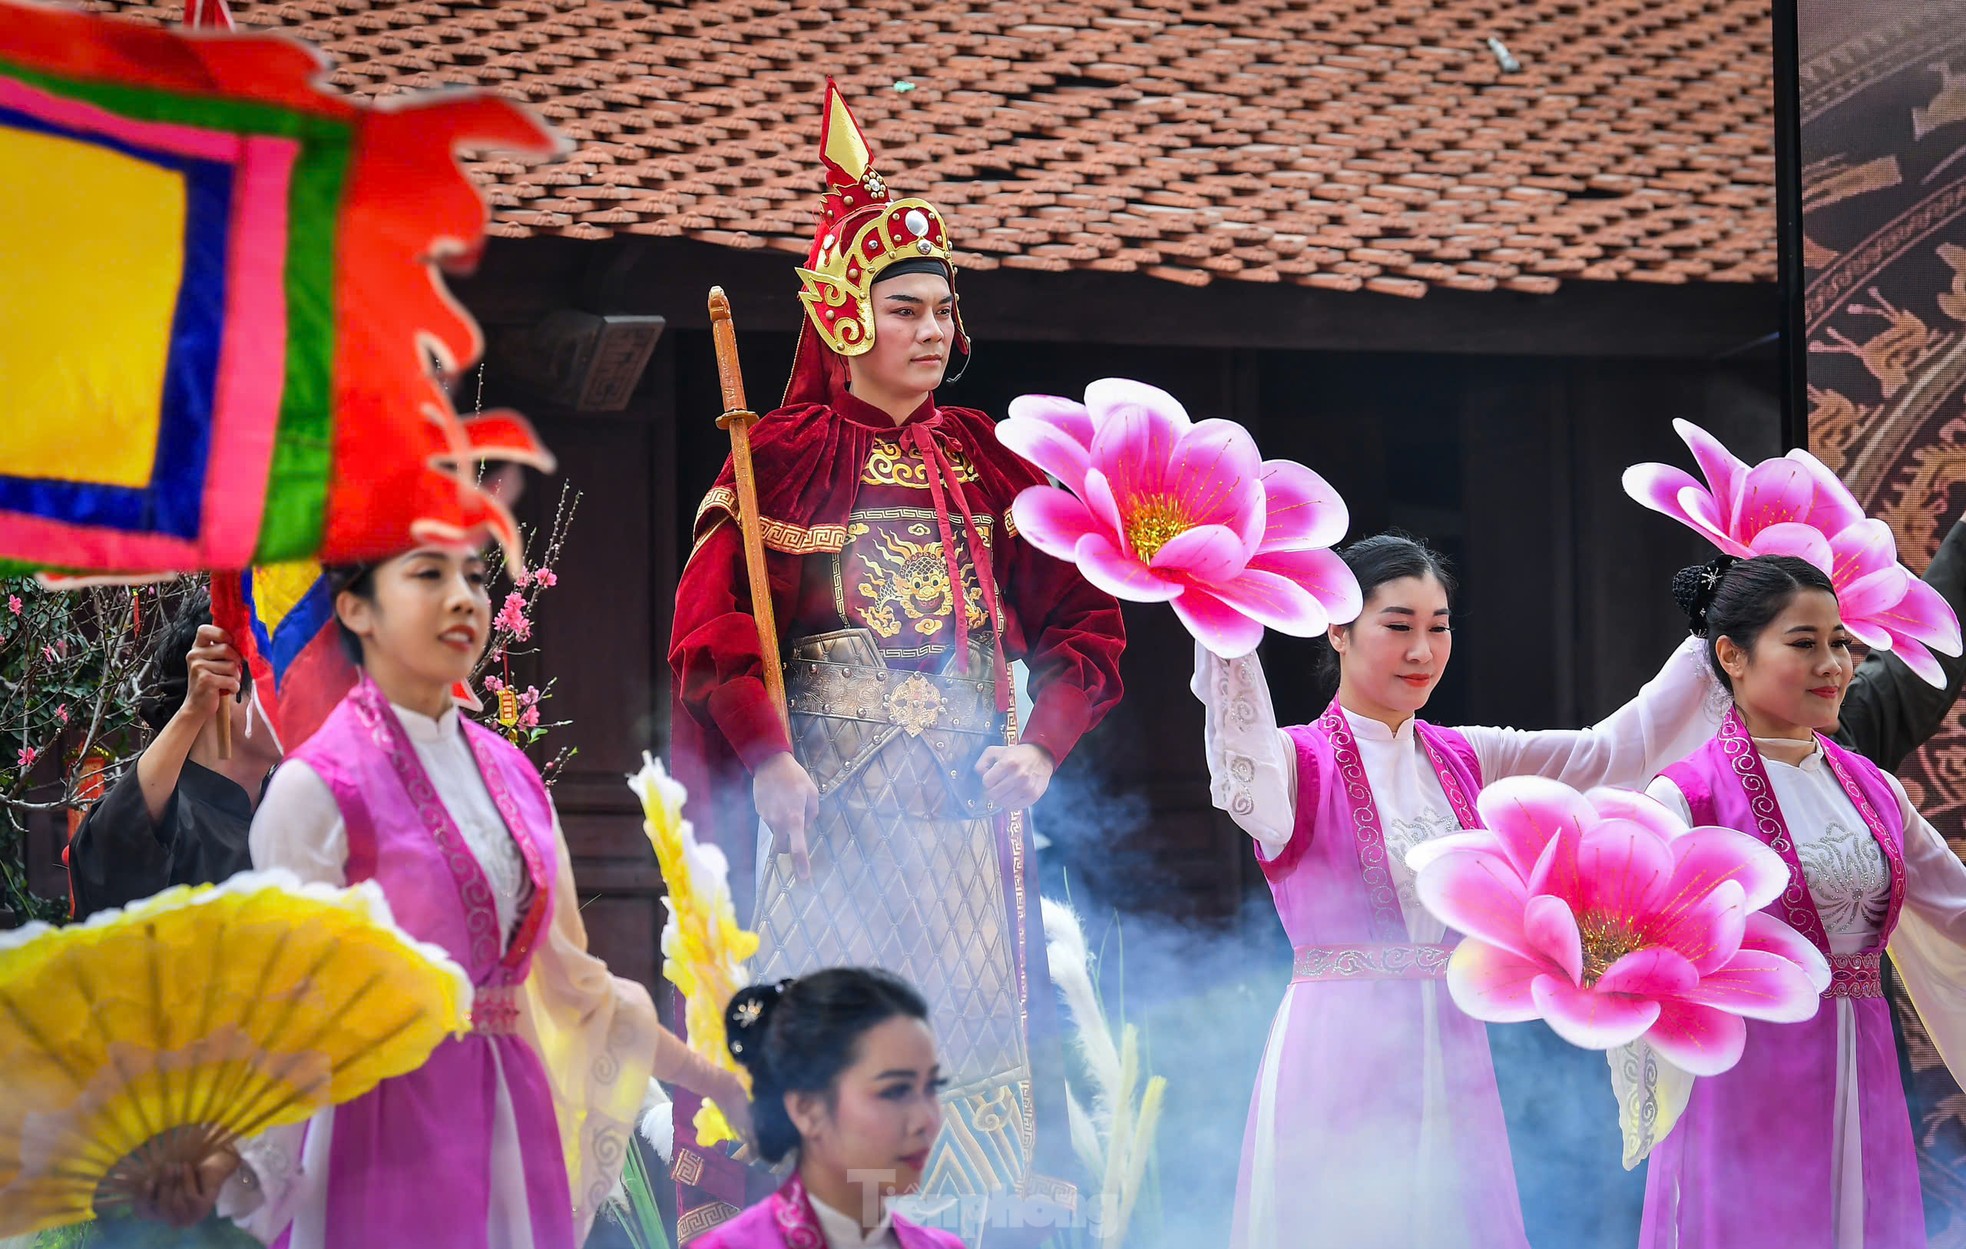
x,y
1346,144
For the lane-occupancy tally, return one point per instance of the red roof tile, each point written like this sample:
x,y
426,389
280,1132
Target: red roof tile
x,y
1342,144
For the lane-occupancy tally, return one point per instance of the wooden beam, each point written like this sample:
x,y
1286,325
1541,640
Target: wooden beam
x,y
522,279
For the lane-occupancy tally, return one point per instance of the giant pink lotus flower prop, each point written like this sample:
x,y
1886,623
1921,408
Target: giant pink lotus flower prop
x,y
1158,508
1794,505
1610,919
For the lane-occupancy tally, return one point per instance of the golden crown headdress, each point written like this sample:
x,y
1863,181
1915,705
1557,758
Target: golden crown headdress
x,y
863,230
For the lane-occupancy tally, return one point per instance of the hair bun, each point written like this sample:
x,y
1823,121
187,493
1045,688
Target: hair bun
x,y
1693,589
746,1019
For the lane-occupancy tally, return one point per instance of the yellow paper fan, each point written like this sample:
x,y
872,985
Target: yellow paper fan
x,y
186,1021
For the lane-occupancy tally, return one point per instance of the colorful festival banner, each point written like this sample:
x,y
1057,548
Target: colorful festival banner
x,y
224,330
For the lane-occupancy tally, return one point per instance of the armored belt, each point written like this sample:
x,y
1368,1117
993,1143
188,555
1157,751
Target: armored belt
x,y
840,676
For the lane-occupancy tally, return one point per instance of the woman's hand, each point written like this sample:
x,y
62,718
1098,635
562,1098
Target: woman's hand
x,y
184,1194
736,1106
788,802
1014,777
212,673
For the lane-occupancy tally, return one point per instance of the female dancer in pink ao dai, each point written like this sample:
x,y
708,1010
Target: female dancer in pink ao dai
x,y
512,1136
1805,1143
844,1077
1375,1120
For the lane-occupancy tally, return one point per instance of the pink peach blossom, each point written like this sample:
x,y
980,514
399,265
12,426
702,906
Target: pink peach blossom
x,y
1794,505
1607,917
512,619
1159,508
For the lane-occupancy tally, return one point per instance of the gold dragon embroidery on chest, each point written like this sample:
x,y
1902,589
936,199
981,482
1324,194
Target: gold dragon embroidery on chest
x,y
900,576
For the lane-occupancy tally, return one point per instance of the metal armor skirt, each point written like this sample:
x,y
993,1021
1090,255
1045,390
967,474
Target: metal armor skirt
x,y
913,871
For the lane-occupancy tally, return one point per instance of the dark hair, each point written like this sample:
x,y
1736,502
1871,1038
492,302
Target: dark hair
x,y
359,580
164,694
1374,561
1738,598
796,1036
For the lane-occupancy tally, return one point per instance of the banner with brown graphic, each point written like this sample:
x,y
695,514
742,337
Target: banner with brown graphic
x,y
1883,110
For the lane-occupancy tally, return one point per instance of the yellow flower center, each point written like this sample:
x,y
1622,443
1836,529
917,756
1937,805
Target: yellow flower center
x,y
1606,940
1155,519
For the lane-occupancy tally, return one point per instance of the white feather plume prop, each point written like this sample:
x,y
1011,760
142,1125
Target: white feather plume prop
x,y
1072,971
1085,1137
658,1125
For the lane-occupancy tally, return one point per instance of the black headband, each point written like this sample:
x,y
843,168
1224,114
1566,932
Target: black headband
x,y
913,264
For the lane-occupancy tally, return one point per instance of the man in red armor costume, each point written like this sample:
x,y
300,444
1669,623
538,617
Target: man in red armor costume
x,y
892,815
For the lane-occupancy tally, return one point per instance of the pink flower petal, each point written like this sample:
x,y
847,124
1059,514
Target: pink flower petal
x,y
1772,935
1697,1039
1674,492
1491,983
1879,592
1110,395
1122,577
1303,510
1207,553
1861,549
1328,578
1275,601
1052,521
1555,872
1480,894
1723,470
1794,538
1924,615
1834,508
1551,931
1098,496
1215,624
1653,972
1525,812
1597,1021
1707,932
1215,475
1067,416
1132,447
1919,660
1622,871
1871,634
1758,985
1772,492
1052,433
1706,856
1628,804
1433,848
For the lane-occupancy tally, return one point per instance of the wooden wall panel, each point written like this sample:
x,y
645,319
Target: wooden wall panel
x,y
600,633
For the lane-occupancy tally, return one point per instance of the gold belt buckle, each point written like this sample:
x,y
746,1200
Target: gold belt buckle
x,y
914,705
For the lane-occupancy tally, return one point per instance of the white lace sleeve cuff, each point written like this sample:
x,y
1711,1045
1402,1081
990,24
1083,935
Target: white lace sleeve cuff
x,y
1252,765
260,1195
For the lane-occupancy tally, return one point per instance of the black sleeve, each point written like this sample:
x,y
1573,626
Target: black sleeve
x,y
118,855
1889,712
